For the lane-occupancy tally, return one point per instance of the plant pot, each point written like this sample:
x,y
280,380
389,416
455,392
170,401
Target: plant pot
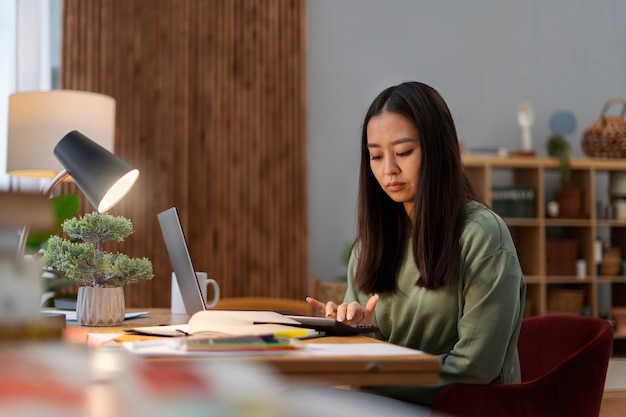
x,y
570,201
100,306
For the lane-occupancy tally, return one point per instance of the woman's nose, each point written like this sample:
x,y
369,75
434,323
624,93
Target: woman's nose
x,y
391,167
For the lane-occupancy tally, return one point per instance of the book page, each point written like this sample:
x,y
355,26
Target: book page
x,y
237,323
229,323
208,319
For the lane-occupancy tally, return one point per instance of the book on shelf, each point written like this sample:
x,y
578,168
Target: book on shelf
x,y
513,201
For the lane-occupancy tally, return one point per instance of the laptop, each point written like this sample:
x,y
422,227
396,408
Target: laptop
x,y
178,251
192,294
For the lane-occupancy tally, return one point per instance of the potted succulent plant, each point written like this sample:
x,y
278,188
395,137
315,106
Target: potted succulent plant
x,y
568,196
101,274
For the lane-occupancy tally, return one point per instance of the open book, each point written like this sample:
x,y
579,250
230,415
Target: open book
x,y
225,323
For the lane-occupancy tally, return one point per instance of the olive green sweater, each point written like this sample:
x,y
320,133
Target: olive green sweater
x,y
471,325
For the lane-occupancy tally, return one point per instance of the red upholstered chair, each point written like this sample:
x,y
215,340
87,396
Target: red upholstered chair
x,y
563,360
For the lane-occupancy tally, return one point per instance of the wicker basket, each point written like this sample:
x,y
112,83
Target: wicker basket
x,y
606,138
565,301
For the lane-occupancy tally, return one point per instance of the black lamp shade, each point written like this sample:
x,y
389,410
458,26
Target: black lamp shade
x,y
101,176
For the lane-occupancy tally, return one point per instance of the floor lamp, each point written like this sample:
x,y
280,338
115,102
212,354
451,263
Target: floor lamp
x,y
38,119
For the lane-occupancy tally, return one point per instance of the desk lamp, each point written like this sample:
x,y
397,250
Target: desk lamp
x,y
101,176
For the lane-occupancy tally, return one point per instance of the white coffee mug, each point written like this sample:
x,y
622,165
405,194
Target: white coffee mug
x,y
178,305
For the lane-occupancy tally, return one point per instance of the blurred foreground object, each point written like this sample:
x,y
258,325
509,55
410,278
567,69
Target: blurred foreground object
x,y
20,278
38,119
17,209
71,380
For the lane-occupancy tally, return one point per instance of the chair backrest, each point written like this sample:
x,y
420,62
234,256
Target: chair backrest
x,y
547,342
564,361
328,291
282,305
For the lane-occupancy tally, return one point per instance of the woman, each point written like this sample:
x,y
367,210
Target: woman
x,y
431,267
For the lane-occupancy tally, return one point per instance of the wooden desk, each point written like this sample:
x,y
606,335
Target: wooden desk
x,y
415,369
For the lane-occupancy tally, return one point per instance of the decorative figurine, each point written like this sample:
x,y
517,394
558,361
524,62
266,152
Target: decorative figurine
x,y
526,119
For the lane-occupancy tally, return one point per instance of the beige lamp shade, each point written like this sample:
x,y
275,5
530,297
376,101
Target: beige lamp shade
x,y
38,120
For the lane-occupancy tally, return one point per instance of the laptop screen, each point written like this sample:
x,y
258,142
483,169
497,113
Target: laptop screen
x,y
181,261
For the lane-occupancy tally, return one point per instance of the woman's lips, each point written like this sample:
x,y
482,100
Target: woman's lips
x,y
395,186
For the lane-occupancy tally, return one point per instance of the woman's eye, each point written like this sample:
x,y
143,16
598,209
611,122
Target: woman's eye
x,y
405,153
375,157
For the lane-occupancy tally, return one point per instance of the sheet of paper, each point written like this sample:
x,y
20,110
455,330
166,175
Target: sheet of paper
x,y
170,347
71,315
82,335
357,349
100,339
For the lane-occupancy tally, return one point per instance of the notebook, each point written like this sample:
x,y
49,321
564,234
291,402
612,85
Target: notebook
x,y
180,259
223,323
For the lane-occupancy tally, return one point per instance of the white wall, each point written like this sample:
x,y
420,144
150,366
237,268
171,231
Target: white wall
x,y
25,48
484,57
33,50
7,78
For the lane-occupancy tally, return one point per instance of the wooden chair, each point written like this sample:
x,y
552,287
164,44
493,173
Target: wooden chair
x,y
282,305
327,291
564,360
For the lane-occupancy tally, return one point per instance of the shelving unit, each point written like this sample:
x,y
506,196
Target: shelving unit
x,y
532,234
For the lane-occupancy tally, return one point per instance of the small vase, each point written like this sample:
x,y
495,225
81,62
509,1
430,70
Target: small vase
x,y
100,306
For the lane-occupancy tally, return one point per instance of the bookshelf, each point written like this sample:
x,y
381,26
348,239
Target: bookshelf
x,y
594,289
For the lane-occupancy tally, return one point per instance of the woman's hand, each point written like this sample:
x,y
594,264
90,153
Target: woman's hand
x,y
351,313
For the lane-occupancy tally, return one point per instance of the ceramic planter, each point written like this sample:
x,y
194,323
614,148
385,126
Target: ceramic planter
x,y
570,202
100,306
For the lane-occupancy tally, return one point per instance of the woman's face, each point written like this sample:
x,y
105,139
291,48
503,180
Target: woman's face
x,y
395,156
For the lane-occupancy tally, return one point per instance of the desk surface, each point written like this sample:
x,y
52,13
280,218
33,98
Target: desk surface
x,y
363,370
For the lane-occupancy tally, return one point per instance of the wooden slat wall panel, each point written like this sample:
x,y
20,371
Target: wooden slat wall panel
x,y
210,107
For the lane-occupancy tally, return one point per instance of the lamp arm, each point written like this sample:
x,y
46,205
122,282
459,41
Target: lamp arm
x,y
63,174
47,191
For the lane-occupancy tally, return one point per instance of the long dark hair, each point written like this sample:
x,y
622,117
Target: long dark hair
x,y
439,210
